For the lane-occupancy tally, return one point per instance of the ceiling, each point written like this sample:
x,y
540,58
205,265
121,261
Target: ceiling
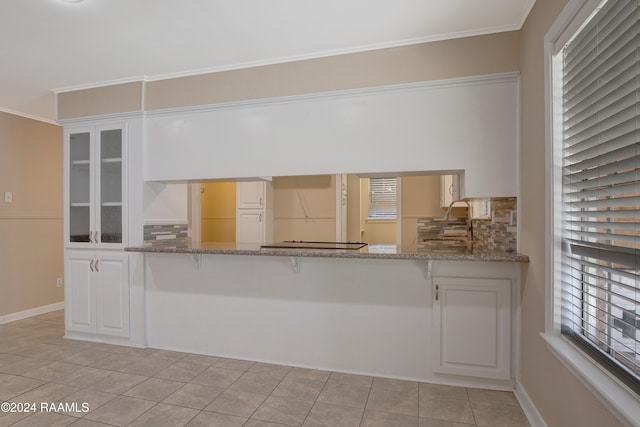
x,y
53,45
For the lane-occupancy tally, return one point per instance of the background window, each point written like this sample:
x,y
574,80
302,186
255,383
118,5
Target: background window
x,y
382,198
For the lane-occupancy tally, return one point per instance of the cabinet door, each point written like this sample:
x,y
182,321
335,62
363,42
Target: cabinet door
x,y
250,195
110,187
250,226
79,185
472,327
112,294
79,308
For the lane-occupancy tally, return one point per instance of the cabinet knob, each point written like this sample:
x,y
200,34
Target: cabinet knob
x,y
260,201
91,265
260,217
97,261
91,236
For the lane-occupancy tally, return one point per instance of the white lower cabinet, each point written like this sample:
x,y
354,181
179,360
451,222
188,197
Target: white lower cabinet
x,y
97,292
472,327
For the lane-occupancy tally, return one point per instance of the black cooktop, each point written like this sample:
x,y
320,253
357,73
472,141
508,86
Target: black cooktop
x,y
301,244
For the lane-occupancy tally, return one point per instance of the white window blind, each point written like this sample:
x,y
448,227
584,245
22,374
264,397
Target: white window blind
x,y
601,189
382,198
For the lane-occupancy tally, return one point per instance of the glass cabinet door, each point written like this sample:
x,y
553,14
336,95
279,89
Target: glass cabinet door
x,y
80,184
111,180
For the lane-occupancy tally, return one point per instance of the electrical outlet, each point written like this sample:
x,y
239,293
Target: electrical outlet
x,y
8,197
59,282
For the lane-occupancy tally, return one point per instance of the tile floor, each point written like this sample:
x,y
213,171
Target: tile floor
x,y
121,386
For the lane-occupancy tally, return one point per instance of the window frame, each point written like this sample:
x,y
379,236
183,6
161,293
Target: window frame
x,y
610,391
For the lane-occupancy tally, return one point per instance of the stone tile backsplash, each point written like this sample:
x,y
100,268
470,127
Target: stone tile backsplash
x,y
500,232
165,234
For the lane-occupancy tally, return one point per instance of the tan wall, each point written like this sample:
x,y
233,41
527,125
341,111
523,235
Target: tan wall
x,y
487,54
218,212
31,241
304,208
420,198
559,396
120,98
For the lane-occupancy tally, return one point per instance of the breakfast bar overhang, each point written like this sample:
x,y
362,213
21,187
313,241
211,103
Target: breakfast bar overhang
x,y
367,311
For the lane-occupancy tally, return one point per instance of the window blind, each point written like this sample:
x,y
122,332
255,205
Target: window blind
x,y
601,189
382,198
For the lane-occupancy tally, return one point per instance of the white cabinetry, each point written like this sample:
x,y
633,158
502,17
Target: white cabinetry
x,y
254,212
95,187
97,292
472,327
102,199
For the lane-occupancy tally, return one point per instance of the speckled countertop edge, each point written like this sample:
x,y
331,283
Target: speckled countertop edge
x,y
476,255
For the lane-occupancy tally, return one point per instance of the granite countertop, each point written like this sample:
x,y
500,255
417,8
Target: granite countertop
x,y
368,252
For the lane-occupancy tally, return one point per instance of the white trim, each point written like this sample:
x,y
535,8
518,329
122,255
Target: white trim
x,y
618,399
29,116
372,90
525,13
180,221
104,117
399,212
12,317
530,411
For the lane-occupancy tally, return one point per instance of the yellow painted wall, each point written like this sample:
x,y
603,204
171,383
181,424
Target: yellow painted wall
x,y
218,212
31,228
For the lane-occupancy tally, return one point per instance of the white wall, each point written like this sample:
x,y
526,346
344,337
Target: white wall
x,y
460,124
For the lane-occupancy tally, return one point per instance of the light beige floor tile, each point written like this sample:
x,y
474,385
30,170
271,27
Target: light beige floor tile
x,y
7,359
194,396
256,383
269,369
200,359
397,402
147,366
494,414
260,423
181,371
163,415
217,377
86,357
362,380
386,419
120,411
447,409
299,388
49,392
308,374
429,391
503,397
395,385
13,385
43,419
240,365
155,389
116,382
430,422
324,415
9,418
93,399
24,366
235,402
83,376
213,419
112,361
89,423
52,371
171,356
283,410
345,394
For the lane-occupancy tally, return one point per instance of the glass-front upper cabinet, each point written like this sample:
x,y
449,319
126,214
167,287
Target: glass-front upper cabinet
x,y
95,182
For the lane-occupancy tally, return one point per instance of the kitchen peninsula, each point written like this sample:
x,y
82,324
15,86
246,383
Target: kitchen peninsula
x,y
443,317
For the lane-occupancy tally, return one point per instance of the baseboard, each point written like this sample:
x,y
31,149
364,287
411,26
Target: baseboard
x,y
530,410
31,312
